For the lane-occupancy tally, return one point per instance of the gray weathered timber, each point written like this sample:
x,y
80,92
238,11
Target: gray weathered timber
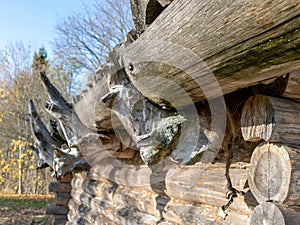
x,y
75,132
91,111
271,119
52,209
188,183
292,89
274,174
43,142
59,187
97,195
62,198
238,43
271,213
158,131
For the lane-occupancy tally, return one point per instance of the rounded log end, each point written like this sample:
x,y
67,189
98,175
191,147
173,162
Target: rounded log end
x,y
267,213
257,119
270,172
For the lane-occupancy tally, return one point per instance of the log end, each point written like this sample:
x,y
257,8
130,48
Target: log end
x,y
267,213
257,119
270,173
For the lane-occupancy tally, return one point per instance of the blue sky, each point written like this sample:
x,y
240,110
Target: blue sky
x,y
33,21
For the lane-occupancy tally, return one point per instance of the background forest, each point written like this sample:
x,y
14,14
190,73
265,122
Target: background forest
x,y
82,42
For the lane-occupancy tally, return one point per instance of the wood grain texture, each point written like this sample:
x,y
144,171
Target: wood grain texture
x,y
241,42
101,199
271,119
269,213
91,111
274,174
187,183
292,89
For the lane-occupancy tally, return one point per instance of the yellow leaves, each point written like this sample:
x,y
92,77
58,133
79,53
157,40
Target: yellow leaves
x,y
31,167
6,168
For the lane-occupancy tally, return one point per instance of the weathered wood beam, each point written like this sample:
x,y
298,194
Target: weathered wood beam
x,y
186,183
233,44
158,131
59,187
274,173
52,209
43,141
75,132
62,198
186,199
271,119
91,111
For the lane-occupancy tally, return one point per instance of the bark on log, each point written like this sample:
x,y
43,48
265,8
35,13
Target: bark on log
x,y
59,187
271,119
242,43
274,174
56,210
269,213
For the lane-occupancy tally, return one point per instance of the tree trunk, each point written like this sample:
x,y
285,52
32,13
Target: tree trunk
x,y
271,119
274,174
269,213
20,174
234,44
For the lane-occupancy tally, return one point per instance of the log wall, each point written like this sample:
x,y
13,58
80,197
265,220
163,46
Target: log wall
x,y
95,200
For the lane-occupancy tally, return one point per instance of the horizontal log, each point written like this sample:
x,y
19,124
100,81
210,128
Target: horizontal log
x,y
59,220
271,119
274,174
62,198
52,209
199,183
244,43
114,212
143,200
271,213
59,187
